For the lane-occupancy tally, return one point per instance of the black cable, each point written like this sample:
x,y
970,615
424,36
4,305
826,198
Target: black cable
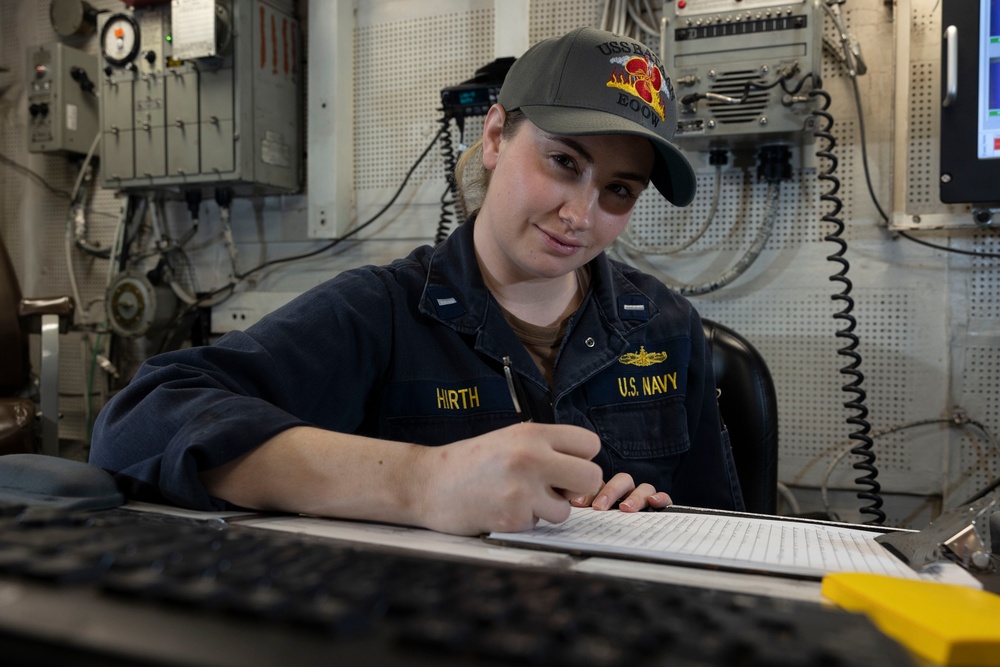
x,y
864,149
134,206
959,251
336,241
450,195
801,83
34,176
102,253
192,198
694,97
183,314
857,404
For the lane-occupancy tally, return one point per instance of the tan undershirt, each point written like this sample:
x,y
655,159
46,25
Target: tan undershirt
x,y
542,342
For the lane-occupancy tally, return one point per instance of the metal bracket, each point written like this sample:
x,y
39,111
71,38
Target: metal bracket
x,y
954,535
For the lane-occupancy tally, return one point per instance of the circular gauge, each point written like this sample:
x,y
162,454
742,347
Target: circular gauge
x,y
120,39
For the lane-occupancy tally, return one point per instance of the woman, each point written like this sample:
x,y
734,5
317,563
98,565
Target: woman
x,y
499,378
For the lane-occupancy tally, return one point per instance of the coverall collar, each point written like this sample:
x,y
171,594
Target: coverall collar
x,y
456,295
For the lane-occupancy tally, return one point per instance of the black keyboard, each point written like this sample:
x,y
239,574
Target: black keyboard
x,y
122,587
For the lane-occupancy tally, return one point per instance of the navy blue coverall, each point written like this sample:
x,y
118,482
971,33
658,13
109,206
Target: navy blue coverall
x,y
413,351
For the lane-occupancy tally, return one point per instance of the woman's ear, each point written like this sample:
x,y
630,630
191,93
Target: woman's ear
x,y
493,135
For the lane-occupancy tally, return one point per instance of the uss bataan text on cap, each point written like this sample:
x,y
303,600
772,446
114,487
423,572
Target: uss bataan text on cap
x,y
591,81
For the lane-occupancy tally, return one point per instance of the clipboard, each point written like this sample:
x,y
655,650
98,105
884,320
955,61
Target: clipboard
x,y
735,541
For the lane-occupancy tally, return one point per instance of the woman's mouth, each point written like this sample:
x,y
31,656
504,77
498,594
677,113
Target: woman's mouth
x,y
560,244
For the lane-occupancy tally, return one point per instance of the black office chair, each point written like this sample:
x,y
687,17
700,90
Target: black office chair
x,y
20,316
749,406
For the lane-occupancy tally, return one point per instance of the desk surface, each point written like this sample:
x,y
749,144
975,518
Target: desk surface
x,y
253,589
426,541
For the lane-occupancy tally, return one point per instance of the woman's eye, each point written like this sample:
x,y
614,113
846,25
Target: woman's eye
x,y
622,191
564,161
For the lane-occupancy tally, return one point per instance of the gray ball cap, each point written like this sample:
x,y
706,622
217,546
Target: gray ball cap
x,y
594,82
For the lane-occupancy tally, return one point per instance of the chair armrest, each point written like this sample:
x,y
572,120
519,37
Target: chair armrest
x,y
31,310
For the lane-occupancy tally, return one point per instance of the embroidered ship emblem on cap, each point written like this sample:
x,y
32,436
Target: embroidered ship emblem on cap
x,y
642,358
641,78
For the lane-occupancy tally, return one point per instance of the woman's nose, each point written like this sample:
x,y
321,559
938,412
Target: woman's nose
x,y
579,208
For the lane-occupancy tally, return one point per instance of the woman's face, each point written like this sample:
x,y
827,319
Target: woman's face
x,y
554,202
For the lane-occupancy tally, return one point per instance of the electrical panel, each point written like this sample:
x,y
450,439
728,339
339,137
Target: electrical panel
x,y
202,93
62,99
736,65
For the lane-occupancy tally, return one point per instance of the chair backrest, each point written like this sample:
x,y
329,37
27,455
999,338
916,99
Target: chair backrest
x,y
749,406
14,359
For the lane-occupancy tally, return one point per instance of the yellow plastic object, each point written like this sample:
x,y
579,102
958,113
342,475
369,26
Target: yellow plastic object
x,y
944,623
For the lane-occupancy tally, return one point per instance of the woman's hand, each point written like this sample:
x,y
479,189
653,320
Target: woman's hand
x,y
622,488
505,480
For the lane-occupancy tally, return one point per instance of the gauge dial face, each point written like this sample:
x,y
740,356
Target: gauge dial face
x,y
120,39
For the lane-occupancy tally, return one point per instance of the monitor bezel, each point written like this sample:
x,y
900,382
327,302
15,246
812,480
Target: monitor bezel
x,y
963,176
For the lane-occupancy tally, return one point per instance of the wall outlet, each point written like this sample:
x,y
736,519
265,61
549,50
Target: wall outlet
x,y
246,308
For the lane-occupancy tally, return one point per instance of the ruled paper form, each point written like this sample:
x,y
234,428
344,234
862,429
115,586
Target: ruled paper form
x,y
741,542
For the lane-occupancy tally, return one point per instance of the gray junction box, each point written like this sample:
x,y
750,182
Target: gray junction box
x,y
223,111
63,111
727,56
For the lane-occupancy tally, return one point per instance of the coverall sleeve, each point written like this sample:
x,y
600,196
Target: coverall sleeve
x,y
314,362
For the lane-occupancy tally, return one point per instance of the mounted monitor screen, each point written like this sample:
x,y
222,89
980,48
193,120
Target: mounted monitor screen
x,y
970,117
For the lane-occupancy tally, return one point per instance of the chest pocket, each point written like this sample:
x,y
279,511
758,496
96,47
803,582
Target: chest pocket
x,y
442,430
436,412
637,403
643,429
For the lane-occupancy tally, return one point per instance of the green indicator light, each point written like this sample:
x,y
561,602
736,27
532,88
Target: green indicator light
x,y
169,38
